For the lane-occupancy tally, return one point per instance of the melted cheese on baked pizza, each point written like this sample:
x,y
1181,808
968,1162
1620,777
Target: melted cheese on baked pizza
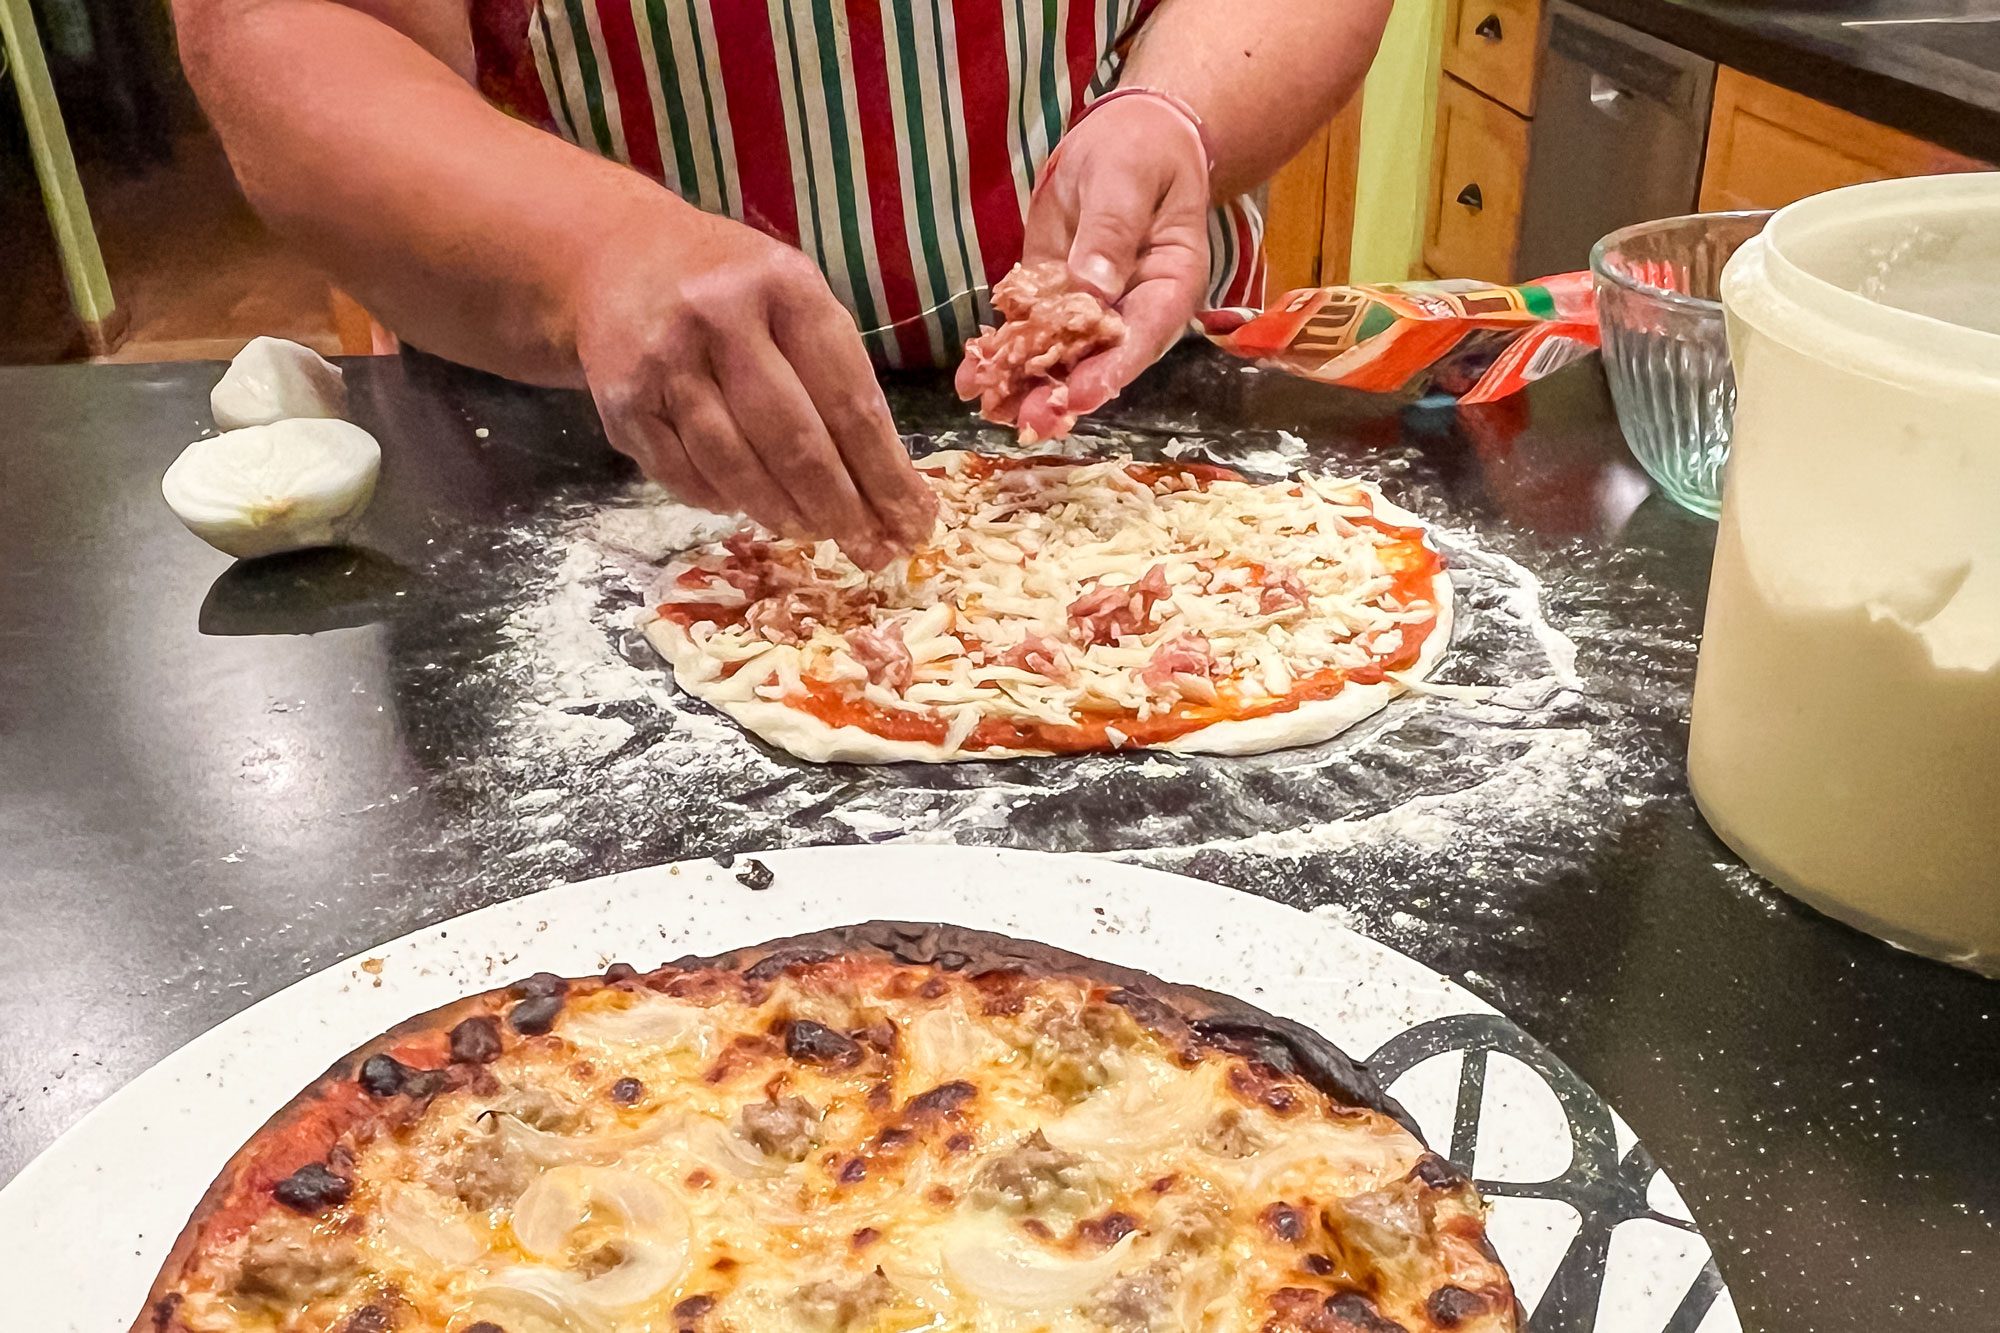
x,y
1166,597
906,1151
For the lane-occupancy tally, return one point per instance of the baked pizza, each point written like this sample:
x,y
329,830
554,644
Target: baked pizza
x,y
880,1127
1066,606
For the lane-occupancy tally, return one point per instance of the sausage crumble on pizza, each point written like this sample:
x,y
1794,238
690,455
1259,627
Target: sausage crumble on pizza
x,y
881,1127
1067,606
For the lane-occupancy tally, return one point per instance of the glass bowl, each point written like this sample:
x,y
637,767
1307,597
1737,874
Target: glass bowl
x,y
1659,286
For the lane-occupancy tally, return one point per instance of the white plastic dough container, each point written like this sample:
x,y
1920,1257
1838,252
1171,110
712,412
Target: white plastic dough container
x,y
1846,737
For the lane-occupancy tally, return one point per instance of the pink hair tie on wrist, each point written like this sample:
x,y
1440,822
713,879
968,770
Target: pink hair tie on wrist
x,y
1166,99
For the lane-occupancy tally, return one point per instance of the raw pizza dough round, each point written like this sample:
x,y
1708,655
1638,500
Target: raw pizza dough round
x,y
1308,722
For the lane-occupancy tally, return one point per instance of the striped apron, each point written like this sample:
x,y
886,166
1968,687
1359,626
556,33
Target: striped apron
x,y
895,141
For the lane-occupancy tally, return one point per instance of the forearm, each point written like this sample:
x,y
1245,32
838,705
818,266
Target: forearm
x,y
456,225
1262,74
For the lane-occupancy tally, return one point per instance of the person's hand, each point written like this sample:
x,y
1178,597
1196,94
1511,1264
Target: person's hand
x,y
1125,203
722,363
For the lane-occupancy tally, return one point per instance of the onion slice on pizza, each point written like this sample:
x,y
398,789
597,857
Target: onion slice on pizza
x,y
883,1127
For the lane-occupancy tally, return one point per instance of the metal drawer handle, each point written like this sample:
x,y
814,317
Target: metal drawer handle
x,y
1472,198
1489,28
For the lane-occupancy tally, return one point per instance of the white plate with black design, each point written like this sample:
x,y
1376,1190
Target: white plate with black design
x,y
1594,1234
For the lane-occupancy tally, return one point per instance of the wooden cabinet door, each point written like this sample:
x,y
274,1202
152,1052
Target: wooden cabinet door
x,y
1475,205
1493,45
1309,217
1768,147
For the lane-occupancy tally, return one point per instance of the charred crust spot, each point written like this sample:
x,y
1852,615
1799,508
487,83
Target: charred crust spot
x,y
164,1310
1309,1311
723,1264
1295,1305
1436,1172
1317,1264
942,1100
1359,1313
627,1091
699,1179
618,972
1036,1227
535,1015
1285,1222
810,1043
312,1189
958,1143
1163,1184
863,1238
424,1083
776,965
538,987
693,1308
933,988
1108,1230
923,945
854,1172
1254,1083
1295,1051
1449,1307
382,1075
881,1036
879,1096
741,1053
1005,990
1254,1042
476,1041
1149,1011
895,1136
755,875
368,1319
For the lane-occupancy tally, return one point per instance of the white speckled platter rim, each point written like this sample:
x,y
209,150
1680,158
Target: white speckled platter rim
x,y
86,1225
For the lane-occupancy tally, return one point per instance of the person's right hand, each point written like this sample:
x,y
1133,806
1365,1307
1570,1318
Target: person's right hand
x,y
722,363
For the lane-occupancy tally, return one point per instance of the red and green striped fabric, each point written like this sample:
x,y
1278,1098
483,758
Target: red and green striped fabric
x,y
895,141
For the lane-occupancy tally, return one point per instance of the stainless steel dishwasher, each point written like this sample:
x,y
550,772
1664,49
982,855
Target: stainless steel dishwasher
x,y
1620,126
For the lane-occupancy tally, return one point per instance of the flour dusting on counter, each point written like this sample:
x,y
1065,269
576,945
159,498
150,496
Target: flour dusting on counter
x,y
1430,821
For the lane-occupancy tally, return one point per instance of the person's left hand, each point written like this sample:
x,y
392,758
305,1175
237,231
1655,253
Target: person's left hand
x,y
1125,203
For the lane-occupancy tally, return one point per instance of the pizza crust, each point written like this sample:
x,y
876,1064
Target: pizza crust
x,y
333,1117
806,737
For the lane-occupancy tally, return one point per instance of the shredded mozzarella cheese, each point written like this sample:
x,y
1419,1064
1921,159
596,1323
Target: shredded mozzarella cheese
x,y
1279,580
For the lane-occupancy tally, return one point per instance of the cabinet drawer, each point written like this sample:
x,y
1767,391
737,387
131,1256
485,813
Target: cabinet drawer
x,y
1475,208
1492,45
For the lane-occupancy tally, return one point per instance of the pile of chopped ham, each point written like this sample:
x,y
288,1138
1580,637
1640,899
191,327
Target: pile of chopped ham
x,y
1052,324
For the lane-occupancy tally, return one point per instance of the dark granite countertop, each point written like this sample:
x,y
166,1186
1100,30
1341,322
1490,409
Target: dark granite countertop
x,y
215,780
1941,84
